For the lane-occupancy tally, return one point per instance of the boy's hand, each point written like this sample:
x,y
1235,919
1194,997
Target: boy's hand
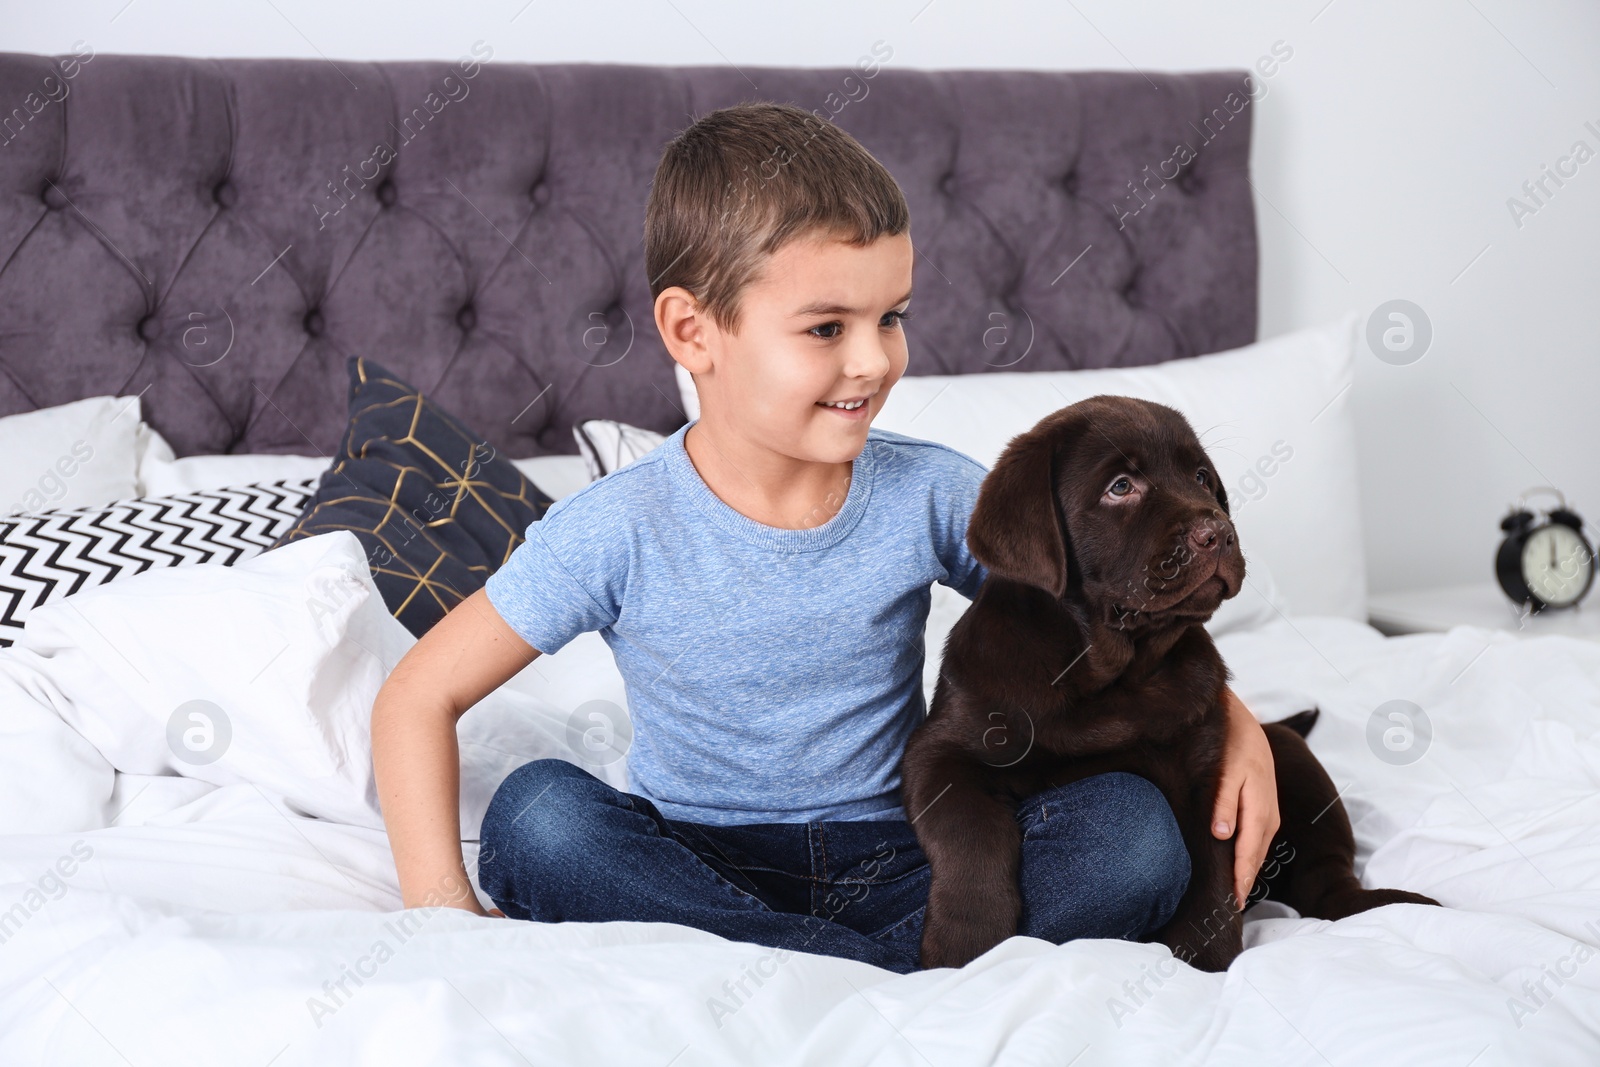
x,y
1249,792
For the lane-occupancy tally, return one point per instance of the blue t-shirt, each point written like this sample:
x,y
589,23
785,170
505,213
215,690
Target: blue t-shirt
x,y
772,675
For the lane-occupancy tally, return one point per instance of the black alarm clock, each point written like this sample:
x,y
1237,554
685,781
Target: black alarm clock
x,y
1544,563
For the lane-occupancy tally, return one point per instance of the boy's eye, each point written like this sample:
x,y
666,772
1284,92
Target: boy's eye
x,y
830,330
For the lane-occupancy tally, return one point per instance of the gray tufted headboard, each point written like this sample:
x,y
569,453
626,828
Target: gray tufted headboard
x,y
219,235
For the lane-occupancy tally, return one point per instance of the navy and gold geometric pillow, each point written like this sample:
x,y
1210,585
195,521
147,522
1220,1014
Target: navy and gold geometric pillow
x,y
433,504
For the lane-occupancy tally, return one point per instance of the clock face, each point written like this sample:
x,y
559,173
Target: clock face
x,y
1556,564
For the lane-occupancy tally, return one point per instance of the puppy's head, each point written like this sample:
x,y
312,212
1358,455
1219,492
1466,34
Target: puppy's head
x,y
1113,504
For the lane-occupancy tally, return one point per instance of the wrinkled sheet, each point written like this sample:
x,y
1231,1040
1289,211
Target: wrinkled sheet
x,y
214,925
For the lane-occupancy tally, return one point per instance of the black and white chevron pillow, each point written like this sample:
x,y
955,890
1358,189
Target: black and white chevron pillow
x,y
51,555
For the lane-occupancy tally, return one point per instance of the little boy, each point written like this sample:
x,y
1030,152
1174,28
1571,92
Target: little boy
x,y
762,579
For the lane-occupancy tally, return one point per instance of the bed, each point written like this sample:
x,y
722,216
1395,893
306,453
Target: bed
x,y
219,237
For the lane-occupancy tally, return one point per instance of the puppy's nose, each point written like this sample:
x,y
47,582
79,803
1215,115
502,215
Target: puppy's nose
x,y
1210,535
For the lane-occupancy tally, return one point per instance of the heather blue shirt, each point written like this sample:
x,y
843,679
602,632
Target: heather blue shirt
x,y
772,675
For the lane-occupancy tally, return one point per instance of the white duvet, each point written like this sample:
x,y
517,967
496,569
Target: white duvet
x,y
244,910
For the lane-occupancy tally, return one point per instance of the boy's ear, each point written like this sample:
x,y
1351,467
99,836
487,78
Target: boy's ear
x,y
682,325
1016,528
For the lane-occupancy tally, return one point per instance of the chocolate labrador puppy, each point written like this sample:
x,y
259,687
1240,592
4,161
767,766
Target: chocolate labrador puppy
x,y
1107,537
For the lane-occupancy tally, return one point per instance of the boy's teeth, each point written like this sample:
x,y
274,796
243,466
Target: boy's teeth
x,y
846,406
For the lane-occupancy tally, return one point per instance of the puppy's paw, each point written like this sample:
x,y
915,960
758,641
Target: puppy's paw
x,y
955,945
954,938
1211,949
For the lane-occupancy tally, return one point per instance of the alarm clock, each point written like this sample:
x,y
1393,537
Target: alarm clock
x,y
1544,563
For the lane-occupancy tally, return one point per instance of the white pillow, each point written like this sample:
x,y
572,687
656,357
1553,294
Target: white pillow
x,y
161,473
81,454
261,672
607,445
1274,417
558,476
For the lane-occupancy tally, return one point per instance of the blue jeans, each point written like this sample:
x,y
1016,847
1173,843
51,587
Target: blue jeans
x,y
1101,857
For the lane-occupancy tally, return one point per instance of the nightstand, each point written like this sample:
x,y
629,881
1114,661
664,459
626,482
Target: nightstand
x,y
1476,604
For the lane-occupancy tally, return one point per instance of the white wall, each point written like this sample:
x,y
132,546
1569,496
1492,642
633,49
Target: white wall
x,y
1386,150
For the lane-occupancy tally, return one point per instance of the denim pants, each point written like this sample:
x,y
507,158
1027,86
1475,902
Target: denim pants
x,y
1101,857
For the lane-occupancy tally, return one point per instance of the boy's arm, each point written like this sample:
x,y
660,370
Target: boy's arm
x,y
463,658
1247,799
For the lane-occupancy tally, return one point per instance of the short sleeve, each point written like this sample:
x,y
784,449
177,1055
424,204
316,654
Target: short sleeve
x,y
964,477
567,578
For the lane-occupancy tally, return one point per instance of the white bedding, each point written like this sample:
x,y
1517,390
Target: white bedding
x,y
210,922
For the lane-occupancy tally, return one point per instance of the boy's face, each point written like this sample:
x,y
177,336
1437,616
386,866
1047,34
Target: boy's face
x,y
820,322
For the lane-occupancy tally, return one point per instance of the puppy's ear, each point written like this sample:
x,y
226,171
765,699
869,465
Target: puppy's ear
x,y
1016,529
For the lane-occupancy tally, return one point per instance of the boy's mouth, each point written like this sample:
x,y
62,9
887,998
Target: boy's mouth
x,y
850,408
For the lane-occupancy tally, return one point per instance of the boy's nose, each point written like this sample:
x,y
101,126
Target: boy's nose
x,y
872,361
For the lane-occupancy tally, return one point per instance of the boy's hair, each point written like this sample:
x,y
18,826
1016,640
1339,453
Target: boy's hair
x,y
744,181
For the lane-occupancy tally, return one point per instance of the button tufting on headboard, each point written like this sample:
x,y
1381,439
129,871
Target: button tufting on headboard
x,y
240,202
50,192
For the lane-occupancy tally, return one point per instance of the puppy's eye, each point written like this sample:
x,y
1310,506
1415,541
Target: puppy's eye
x,y
1127,487
1200,476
